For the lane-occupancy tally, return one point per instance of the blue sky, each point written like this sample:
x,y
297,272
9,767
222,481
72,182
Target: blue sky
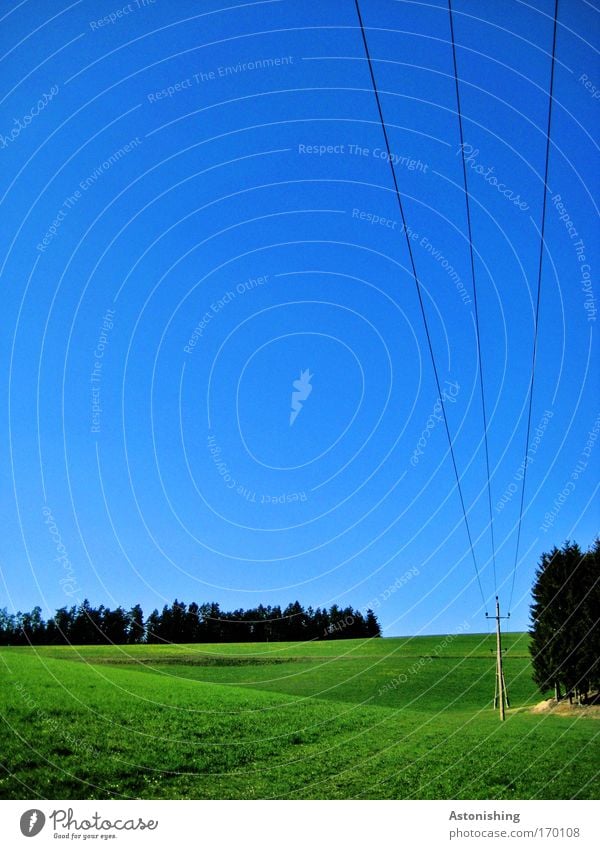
x,y
197,208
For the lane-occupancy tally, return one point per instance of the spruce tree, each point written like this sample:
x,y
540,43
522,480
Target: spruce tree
x,y
565,632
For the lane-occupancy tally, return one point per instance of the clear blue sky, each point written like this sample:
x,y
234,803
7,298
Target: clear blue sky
x,y
192,207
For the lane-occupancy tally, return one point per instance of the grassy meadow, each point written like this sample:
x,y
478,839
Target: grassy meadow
x,y
394,718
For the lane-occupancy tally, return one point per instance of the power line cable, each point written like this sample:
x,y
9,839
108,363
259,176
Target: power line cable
x,y
471,253
420,297
537,306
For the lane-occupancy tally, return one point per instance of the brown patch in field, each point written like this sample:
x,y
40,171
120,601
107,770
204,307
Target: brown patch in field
x,y
563,708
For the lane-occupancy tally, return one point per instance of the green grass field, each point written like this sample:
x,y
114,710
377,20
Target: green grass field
x,y
395,718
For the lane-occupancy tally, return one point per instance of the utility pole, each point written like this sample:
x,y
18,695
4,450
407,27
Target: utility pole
x,y
501,694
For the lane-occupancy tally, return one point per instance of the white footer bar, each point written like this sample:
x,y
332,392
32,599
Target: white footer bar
x,y
296,824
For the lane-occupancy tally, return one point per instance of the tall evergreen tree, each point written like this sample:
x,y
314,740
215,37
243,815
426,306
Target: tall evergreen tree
x,y
7,628
153,627
115,624
565,632
372,625
135,628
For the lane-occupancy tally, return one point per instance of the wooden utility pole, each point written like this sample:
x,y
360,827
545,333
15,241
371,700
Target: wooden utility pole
x,y
501,694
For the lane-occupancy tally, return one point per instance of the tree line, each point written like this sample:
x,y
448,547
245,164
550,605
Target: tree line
x,y
565,615
179,622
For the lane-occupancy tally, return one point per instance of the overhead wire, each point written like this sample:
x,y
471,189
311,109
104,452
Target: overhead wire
x,y
537,305
475,300
420,298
